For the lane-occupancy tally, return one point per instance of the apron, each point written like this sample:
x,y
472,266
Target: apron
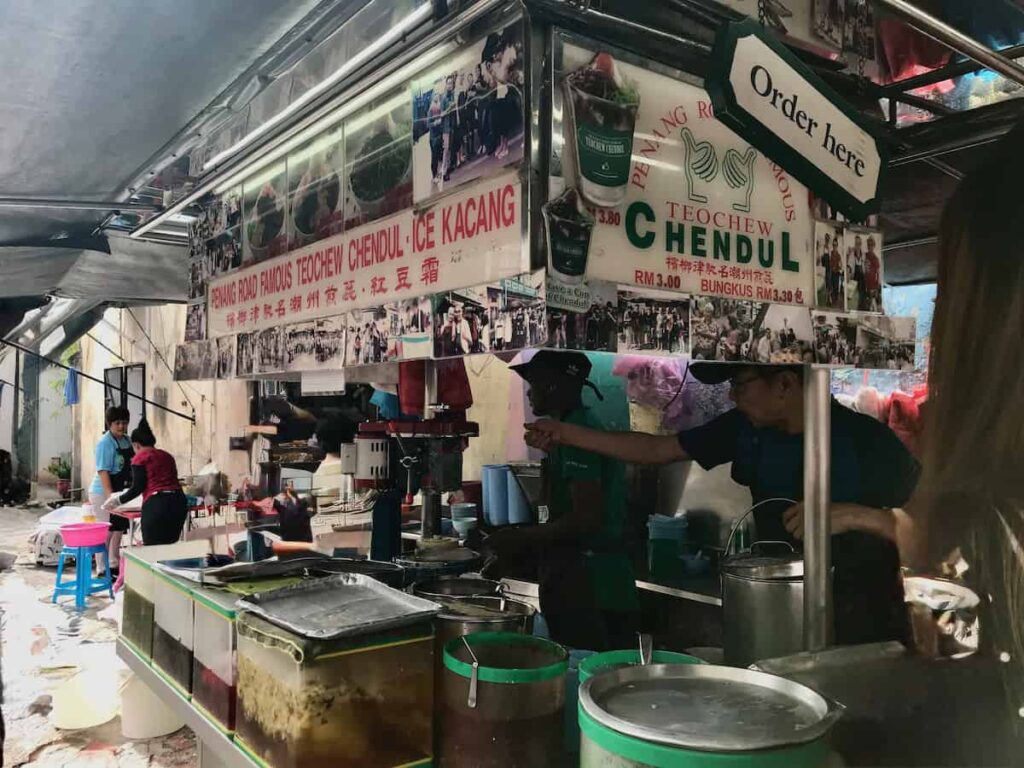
x,y
123,479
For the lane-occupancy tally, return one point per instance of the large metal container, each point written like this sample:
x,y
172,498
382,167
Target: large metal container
x,y
699,715
504,710
456,586
762,606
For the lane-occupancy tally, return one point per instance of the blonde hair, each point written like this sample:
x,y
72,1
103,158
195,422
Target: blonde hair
x,y
971,493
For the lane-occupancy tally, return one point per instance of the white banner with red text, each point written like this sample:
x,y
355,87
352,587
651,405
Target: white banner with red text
x,y
472,237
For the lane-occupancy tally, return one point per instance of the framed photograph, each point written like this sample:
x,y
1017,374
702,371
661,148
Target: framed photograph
x,y
187,364
270,346
246,354
468,114
859,29
830,266
653,322
591,324
263,212
226,350
315,189
330,342
865,341
754,332
195,321
829,20
497,317
300,347
415,328
864,270
372,335
378,160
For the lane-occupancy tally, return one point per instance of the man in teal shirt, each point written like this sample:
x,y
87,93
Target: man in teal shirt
x,y
587,588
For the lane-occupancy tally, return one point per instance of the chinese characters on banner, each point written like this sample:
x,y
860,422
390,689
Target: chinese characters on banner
x,y
471,237
703,212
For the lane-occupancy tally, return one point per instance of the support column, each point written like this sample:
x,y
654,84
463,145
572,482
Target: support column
x,y
817,498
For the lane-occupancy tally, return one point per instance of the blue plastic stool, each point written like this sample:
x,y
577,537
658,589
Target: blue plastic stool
x,y
84,583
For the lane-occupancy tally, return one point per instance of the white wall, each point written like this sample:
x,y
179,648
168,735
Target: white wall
x,y
54,424
7,372
221,407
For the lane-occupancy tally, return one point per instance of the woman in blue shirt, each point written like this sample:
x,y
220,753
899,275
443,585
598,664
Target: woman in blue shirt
x,y
113,473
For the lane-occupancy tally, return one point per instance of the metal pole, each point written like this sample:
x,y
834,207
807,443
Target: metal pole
x,y
76,205
817,499
954,38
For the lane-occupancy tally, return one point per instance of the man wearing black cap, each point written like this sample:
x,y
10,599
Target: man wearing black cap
x,y
872,475
587,587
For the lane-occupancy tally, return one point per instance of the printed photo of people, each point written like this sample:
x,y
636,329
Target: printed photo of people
x,y
654,322
330,341
516,313
315,190
829,266
195,360
865,341
226,357
270,350
195,321
743,331
415,328
864,274
372,335
300,347
468,114
263,211
215,242
246,353
829,18
378,160
596,328
859,28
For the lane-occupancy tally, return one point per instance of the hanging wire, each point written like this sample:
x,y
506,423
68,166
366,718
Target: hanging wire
x,y
162,359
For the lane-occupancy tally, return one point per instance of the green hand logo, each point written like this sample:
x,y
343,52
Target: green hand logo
x,y
700,162
739,174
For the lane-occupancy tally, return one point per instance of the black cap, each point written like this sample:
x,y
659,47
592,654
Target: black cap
x,y
572,365
716,373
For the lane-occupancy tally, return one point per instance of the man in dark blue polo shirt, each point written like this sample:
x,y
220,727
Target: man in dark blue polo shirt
x,y
872,473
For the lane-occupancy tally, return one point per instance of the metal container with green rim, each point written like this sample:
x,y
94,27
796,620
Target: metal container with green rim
x,y
690,715
602,662
501,702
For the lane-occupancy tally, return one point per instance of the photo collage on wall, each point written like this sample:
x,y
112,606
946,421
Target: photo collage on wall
x,y
848,25
497,317
848,268
865,341
745,331
214,247
468,114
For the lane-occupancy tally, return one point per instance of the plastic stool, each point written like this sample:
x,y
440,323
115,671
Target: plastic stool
x,y
84,583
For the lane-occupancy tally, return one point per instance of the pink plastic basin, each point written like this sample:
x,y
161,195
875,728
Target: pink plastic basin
x,y
84,534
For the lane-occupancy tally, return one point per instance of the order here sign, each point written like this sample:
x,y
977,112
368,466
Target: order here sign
x,y
774,101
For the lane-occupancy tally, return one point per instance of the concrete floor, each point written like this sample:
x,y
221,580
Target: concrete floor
x,y
46,645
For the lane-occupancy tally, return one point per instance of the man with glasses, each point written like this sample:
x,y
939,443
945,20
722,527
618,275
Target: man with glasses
x,y
762,437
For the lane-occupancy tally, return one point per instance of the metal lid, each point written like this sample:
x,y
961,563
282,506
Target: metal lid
x,y
707,707
784,563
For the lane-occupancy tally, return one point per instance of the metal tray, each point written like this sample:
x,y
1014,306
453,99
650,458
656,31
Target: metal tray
x,y
344,605
708,708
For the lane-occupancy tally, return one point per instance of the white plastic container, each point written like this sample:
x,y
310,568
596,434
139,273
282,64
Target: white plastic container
x,y
173,630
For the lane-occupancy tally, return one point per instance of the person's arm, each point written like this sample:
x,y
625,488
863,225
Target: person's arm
x,y
106,462
630,447
138,484
104,477
890,524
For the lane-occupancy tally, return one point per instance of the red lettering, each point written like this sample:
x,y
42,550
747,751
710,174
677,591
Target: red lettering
x,y
704,110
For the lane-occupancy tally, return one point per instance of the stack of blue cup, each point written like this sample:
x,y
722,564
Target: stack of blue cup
x,y
495,480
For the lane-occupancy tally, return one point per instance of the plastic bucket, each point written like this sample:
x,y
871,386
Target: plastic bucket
x,y
84,534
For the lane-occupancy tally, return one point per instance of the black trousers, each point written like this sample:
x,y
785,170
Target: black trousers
x,y
163,517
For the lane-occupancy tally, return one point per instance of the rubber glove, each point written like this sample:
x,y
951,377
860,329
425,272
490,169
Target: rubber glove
x,y
112,503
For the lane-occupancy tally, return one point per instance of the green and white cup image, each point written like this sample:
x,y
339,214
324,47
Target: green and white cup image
x,y
603,107
568,229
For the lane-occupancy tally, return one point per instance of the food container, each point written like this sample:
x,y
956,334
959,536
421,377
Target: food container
x,y
137,619
213,658
173,630
504,710
363,701
697,715
610,660
943,617
456,587
762,605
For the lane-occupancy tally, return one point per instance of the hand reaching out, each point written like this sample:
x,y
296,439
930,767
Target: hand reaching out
x,y
544,434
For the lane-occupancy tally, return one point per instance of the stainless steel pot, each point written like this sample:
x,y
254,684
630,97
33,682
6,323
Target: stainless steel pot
x,y
466,615
456,586
762,605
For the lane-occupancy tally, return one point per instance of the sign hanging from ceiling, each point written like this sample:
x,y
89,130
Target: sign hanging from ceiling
x,y
774,101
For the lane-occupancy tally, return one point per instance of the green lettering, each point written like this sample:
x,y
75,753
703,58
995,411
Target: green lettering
x,y
721,245
766,259
698,244
637,210
744,249
788,264
674,237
